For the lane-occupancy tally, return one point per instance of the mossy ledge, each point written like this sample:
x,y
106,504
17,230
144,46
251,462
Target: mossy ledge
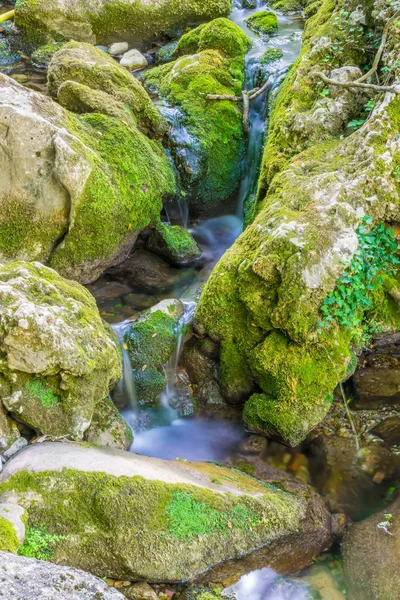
x,y
169,526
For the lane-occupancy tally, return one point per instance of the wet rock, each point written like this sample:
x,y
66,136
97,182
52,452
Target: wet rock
x,y
208,57
182,399
130,496
199,592
136,22
31,579
371,556
60,359
133,60
199,360
389,431
118,48
165,54
147,273
12,527
88,66
350,480
42,56
377,380
70,157
174,243
108,428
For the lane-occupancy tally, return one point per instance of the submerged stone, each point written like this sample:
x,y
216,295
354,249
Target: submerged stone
x,y
149,519
174,243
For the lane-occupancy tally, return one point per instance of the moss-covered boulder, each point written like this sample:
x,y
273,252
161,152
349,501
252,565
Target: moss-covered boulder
x,y
264,22
42,56
150,519
151,341
59,359
211,62
292,296
271,55
136,21
13,521
174,243
86,65
76,193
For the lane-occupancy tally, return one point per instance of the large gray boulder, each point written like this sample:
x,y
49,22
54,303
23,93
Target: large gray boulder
x,y
30,579
59,358
74,191
143,518
105,21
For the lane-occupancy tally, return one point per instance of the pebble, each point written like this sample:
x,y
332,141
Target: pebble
x,y
133,60
15,447
118,48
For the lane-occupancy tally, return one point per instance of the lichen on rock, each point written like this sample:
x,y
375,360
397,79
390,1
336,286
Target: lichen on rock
x,y
148,519
59,358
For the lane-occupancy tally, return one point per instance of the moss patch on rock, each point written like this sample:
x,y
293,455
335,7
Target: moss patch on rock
x,y
264,22
8,536
174,243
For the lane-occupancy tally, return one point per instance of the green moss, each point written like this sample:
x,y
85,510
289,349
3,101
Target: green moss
x,y
189,518
271,55
39,543
152,339
149,383
42,56
8,536
173,242
38,389
246,468
264,22
123,194
105,524
288,6
216,125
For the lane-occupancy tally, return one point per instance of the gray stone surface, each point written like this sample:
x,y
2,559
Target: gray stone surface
x,y
29,579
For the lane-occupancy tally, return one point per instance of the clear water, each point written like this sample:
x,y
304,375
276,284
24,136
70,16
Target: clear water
x,y
266,584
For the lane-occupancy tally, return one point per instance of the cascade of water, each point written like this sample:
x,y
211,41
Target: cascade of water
x,y
126,386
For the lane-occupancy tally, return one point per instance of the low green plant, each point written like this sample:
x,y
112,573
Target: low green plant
x,y
39,390
376,254
190,518
355,124
387,524
39,543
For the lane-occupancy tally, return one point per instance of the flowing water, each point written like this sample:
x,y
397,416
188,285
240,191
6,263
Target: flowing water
x,y
194,438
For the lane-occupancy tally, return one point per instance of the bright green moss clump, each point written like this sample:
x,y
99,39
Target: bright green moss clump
x,y
152,339
174,243
39,390
217,67
264,22
8,536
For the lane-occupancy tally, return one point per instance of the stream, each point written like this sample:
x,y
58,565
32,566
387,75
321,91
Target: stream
x,y
160,432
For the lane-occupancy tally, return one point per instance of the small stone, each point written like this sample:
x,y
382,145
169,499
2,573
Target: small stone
x,y
139,591
15,448
118,48
133,60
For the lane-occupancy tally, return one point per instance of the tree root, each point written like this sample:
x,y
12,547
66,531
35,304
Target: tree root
x,y
358,83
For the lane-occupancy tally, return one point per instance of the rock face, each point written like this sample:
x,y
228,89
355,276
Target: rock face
x,y
75,191
371,556
31,579
59,359
319,194
97,21
211,61
149,519
151,341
